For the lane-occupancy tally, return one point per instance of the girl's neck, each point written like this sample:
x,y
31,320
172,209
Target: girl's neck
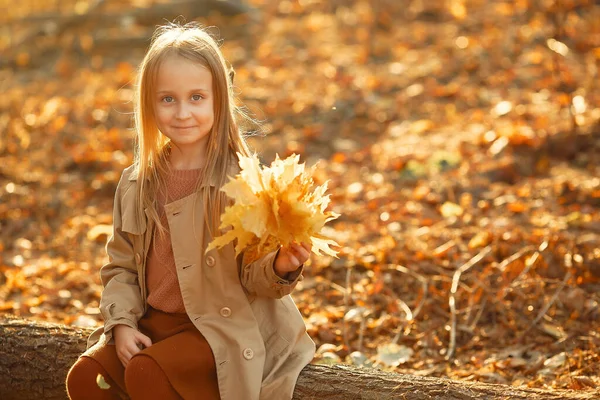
x,y
186,159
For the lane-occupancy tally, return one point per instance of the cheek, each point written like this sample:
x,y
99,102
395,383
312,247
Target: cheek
x,y
162,116
206,114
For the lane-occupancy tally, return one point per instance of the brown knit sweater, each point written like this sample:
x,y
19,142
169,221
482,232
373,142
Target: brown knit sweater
x,y
161,276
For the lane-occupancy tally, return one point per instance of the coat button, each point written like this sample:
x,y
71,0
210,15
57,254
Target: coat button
x,y
210,261
226,312
248,354
138,258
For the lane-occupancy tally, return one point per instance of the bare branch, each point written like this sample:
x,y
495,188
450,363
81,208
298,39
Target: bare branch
x,y
452,301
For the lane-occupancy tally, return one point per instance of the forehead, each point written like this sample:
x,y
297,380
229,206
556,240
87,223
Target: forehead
x,y
176,72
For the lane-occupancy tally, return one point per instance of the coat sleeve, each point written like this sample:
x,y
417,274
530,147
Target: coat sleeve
x,y
121,301
259,277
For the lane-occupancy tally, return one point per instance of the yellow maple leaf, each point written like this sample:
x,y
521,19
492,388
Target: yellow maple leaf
x,y
274,206
101,382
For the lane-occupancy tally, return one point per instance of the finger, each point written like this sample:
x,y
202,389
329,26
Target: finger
x,y
293,260
124,358
126,353
143,339
123,361
301,253
307,246
295,246
132,349
289,251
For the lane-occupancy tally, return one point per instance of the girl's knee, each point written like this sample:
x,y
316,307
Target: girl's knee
x,y
144,378
81,377
82,367
140,369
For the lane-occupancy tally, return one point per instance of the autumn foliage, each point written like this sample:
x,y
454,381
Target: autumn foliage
x,y
274,206
460,140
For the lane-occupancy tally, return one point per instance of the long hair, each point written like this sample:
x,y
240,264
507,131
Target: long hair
x,y
192,42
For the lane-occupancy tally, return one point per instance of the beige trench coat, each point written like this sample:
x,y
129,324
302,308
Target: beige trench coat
x,y
254,329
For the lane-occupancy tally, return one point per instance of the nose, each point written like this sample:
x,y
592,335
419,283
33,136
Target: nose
x,y
183,111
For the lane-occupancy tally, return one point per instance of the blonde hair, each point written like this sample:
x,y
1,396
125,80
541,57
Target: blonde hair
x,y
194,43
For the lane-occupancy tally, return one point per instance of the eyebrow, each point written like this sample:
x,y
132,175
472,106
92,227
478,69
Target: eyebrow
x,y
190,91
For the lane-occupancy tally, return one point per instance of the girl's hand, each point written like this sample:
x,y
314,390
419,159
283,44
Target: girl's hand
x,y
127,342
291,257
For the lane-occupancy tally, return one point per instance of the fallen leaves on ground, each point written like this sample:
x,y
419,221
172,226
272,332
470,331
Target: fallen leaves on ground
x,y
460,139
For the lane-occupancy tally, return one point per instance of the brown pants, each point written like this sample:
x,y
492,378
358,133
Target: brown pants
x,y
179,364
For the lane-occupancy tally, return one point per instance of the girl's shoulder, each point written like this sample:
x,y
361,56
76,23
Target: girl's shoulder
x,y
129,174
127,181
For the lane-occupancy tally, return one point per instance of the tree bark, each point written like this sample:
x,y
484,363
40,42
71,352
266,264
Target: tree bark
x,y
55,24
35,357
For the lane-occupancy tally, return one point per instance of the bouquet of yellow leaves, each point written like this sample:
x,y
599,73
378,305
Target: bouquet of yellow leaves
x,y
274,206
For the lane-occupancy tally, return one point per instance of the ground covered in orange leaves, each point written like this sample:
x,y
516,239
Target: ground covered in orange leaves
x,y
461,139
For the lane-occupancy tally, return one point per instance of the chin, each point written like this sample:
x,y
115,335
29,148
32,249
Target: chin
x,y
186,141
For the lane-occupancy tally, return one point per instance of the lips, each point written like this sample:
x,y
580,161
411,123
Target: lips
x,y
183,127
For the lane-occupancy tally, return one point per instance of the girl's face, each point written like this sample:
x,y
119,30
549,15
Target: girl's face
x,y
184,102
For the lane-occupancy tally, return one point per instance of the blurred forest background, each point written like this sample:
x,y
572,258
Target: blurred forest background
x,y
461,138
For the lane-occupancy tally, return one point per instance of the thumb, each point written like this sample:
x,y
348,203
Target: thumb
x,y
143,339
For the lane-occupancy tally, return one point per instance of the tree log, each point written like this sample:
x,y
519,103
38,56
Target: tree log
x,y
188,8
35,357
55,24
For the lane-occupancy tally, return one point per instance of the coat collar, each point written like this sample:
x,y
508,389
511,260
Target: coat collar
x,y
133,176
232,170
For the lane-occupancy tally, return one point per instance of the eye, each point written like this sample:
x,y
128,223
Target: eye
x,y
196,97
168,99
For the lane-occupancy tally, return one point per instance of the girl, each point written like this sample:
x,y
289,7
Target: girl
x,y
179,323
